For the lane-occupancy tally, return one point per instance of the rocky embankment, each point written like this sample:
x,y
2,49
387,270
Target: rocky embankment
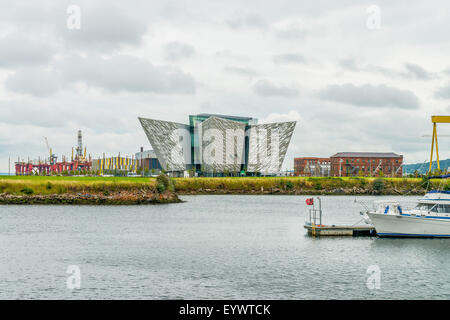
x,y
116,198
306,191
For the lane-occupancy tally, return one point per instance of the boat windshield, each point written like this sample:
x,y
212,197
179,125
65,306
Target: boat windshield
x,y
425,206
433,207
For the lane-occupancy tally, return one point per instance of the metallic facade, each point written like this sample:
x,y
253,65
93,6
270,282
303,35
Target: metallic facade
x,y
169,141
218,144
268,144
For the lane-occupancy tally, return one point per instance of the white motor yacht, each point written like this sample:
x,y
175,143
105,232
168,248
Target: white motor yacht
x,y
430,218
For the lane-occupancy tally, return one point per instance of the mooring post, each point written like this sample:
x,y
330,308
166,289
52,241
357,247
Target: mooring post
x,y
320,210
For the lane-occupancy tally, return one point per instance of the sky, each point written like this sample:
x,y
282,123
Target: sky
x,y
355,75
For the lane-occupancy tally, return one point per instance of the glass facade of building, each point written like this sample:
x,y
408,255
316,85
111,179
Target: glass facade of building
x,y
195,120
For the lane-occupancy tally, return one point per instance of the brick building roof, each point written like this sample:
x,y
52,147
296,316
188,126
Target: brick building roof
x,y
311,158
366,155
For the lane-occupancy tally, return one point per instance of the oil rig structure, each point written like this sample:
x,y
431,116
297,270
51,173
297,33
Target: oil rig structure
x,y
50,166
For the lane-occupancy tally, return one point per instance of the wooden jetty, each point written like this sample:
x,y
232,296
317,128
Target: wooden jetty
x,y
342,230
316,228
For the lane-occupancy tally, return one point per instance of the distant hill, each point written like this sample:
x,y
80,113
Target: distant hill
x,y
423,167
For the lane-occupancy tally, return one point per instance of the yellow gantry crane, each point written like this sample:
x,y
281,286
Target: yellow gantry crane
x,y
436,119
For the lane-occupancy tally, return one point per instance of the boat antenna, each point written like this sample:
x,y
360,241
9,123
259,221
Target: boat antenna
x,y
362,203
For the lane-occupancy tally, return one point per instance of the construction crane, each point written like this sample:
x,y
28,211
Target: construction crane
x,y
436,119
53,157
46,143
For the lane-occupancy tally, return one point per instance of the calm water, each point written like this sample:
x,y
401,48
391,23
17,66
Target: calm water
x,y
211,247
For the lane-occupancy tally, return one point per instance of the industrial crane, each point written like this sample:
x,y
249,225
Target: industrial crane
x,y
436,119
52,156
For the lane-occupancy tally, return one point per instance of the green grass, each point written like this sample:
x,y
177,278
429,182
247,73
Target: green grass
x,y
58,185
289,183
79,179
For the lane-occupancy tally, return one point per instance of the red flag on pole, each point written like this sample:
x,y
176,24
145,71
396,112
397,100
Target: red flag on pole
x,y
310,201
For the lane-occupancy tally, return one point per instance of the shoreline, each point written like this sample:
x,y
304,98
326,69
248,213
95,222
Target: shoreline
x,y
305,193
116,199
142,191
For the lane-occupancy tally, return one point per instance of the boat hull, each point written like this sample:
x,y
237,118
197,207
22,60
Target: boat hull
x,y
388,225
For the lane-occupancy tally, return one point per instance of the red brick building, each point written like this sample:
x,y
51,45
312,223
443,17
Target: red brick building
x,y
347,164
312,166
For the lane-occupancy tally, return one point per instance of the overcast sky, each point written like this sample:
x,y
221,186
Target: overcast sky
x,y
355,80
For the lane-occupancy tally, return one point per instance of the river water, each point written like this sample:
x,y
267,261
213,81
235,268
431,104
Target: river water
x,y
211,247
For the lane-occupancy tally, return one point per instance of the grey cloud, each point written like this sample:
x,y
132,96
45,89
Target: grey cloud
x,y
412,71
34,81
247,21
267,88
176,50
60,112
291,30
370,95
126,73
350,64
289,58
418,72
443,92
105,25
357,65
18,50
105,28
241,71
117,74
227,54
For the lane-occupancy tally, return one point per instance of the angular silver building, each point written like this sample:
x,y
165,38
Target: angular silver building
x,y
218,144
268,144
171,142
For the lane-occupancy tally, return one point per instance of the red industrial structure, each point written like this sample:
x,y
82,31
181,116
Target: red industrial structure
x,y
46,169
51,166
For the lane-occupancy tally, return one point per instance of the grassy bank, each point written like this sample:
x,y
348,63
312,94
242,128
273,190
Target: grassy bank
x,y
83,191
235,185
60,185
304,185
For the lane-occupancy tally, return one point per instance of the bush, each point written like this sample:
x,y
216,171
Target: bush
x,y
378,184
160,187
163,183
49,186
27,190
289,185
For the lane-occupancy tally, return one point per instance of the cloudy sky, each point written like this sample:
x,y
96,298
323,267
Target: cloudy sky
x,y
356,75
